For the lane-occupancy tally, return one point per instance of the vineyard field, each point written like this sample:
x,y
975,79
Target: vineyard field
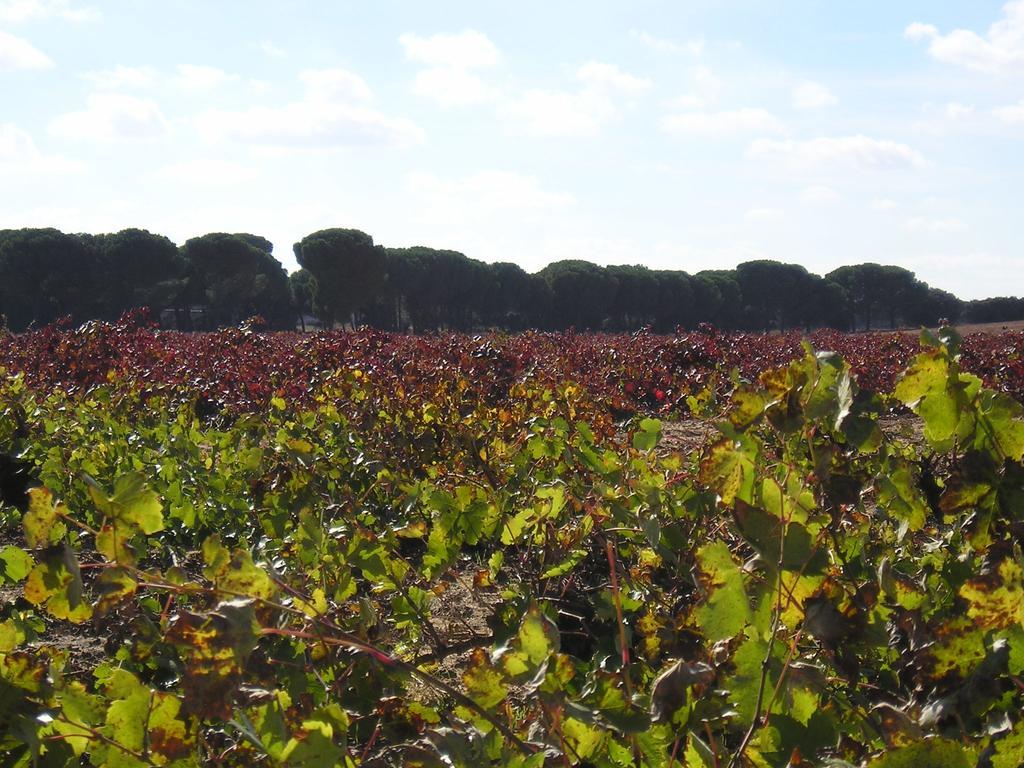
x,y
705,549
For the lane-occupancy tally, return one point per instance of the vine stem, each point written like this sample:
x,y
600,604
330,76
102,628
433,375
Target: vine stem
x,y
766,662
141,757
626,681
347,640
355,644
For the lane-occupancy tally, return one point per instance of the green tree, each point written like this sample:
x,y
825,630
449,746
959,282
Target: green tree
x,y
349,269
675,302
137,269
720,298
772,293
236,276
583,293
46,274
636,297
302,287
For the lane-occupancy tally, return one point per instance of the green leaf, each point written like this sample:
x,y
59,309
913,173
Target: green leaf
x,y
42,522
1009,750
313,747
214,647
996,599
113,542
727,468
484,683
168,732
125,721
132,503
725,611
744,682
113,586
56,582
1003,424
934,753
582,740
85,711
234,571
15,564
522,657
538,635
900,497
647,435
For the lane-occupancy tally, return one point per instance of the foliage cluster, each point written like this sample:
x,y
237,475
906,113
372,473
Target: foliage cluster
x,y
241,370
805,590
219,279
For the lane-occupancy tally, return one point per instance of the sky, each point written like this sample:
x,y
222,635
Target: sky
x,y
678,134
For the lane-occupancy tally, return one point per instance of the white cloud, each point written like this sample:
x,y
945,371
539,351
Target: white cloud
x,y
206,173
273,51
925,224
1012,114
110,117
1000,50
14,11
120,77
335,85
759,215
693,47
498,190
190,77
857,151
819,194
884,204
597,74
331,114
811,95
955,110
450,86
574,113
707,87
19,153
689,101
201,77
556,113
450,79
468,49
726,123
18,53
918,31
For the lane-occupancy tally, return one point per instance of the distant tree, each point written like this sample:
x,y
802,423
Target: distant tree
x,y
864,285
349,270
933,305
720,297
636,297
509,298
825,304
46,274
440,288
583,293
302,286
999,309
237,277
675,302
772,292
137,269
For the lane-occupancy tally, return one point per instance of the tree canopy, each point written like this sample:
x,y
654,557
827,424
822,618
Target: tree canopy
x,y
223,278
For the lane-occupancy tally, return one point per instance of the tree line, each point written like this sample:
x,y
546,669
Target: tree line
x,y
221,279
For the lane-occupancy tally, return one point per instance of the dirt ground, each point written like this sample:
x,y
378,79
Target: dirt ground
x,y
993,328
691,435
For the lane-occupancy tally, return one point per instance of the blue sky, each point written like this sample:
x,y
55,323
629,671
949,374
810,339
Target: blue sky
x,y
683,135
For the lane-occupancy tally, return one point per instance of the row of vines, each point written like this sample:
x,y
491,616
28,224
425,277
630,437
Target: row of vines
x,y
440,569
